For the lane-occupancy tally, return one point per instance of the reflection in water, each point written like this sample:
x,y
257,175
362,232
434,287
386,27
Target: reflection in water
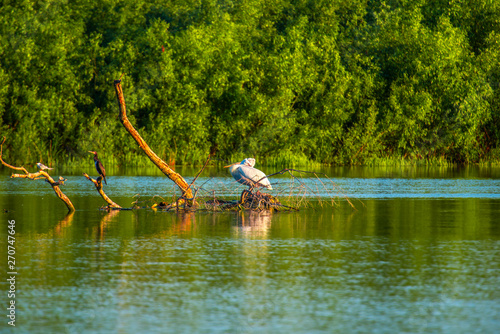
x,y
253,230
64,223
252,224
406,266
185,221
403,264
108,218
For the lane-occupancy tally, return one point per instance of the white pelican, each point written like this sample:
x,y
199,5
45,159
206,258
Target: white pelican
x,y
246,174
249,162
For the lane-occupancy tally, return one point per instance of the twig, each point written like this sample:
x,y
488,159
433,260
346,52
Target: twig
x,y
290,170
195,178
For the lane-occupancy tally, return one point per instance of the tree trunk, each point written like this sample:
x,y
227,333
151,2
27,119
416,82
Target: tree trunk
x,y
50,180
162,165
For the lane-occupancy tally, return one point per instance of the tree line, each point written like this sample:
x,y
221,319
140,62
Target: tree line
x,y
286,81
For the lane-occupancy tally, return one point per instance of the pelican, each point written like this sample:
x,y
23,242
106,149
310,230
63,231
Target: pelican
x,y
246,174
42,166
249,162
99,167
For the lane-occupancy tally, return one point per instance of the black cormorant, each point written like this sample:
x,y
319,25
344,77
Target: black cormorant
x,y
99,167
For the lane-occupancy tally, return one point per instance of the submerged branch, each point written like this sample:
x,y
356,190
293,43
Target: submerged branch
x,y
40,175
187,193
98,185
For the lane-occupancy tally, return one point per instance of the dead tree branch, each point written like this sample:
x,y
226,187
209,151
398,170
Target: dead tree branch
x,y
98,186
39,175
162,165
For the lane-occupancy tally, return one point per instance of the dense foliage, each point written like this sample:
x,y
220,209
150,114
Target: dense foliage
x,y
331,81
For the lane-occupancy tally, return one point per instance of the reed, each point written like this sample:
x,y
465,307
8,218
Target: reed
x,y
279,160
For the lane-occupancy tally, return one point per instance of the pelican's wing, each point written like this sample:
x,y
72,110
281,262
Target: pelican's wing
x,y
240,175
253,175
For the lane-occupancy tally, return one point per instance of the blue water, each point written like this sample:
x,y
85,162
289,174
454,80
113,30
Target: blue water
x,y
302,185
420,253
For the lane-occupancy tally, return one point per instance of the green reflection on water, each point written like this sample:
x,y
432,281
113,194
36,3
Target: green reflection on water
x,y
392,265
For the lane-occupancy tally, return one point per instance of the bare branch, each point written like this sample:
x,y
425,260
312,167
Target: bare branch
x,y
98,185
162,165
40,175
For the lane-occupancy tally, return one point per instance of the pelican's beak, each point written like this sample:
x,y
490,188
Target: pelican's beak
x,y
231,165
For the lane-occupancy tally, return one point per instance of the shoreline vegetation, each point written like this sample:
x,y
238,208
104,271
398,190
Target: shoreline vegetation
x,y
292,83
140,161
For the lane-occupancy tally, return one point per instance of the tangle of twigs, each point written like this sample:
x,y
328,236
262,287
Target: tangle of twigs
x,y
296,193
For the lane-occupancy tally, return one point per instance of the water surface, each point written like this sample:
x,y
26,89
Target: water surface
x,y
421,253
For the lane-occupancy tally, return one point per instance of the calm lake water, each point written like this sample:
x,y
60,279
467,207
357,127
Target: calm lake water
x,y
420,254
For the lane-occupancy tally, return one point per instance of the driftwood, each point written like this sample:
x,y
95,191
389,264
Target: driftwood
x,y
187,193
98,185
253,201
40,175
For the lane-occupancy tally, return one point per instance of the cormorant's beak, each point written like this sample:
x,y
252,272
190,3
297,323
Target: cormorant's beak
x,y
231,165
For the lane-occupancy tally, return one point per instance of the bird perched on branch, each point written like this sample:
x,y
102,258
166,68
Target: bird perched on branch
x,y
42,166
246,174
99,167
